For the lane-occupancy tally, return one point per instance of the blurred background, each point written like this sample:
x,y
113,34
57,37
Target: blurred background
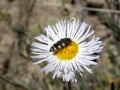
x,y
21,20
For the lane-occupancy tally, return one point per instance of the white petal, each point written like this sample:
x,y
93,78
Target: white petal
x,y
39,56
41,46
88,69
51,33
44,39
81,30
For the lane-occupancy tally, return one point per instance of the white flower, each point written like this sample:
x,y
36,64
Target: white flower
x,y
67,47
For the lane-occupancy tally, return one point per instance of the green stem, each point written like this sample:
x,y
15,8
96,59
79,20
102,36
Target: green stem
x,y
63,3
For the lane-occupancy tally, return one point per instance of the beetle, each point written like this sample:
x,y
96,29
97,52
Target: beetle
x,y
62,43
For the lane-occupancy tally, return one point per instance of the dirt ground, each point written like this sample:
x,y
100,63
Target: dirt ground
x,y
22,71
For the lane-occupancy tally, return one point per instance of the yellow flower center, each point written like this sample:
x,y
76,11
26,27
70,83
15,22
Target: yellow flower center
x,y
67,52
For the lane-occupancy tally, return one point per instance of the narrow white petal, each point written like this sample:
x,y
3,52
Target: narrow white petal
x,y
88,69
85,37
39,61
81,30
41,46
51,33
39,56
44,39
39,50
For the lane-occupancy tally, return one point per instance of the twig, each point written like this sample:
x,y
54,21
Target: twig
x,y
25,10
109,4
32,4
101,10
88,9
80,9
12,83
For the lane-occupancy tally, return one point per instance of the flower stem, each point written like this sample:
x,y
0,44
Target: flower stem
x,y
67,86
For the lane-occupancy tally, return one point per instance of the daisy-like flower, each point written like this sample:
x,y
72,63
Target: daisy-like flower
x,y
69,46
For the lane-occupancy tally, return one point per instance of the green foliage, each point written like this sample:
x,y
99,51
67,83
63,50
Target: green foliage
x,y
113,26
112,21
4,15
38,29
